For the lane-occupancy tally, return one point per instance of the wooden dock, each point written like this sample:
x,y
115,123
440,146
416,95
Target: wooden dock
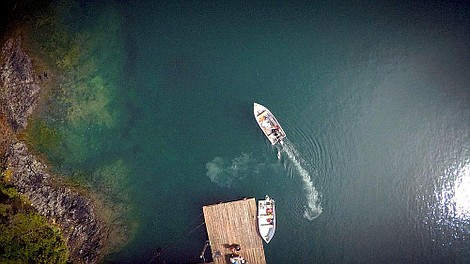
x,y
234,223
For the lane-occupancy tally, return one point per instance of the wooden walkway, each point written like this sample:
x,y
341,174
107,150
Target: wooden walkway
x,y
234,223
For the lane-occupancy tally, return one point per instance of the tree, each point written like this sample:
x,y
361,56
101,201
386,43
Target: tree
x,y
26,236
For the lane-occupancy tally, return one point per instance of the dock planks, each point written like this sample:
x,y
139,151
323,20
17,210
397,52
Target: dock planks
x,y
234,223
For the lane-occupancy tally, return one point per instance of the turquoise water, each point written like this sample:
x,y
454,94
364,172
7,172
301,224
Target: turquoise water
x,y
374,98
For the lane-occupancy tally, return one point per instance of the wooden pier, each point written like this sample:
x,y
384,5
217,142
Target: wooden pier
x,y
234,223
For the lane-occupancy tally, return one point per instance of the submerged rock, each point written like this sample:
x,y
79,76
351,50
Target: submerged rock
x,y
73,212
20,91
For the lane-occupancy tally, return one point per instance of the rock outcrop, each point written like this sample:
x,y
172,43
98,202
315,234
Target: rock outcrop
x,y
73,212
20,91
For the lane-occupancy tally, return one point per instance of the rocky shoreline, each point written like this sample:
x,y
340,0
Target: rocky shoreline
x,y
75,213
20,91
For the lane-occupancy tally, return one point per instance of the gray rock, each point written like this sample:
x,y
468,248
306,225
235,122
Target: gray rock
x,y
20,91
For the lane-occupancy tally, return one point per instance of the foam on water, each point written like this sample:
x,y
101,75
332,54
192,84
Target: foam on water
x,y
313,208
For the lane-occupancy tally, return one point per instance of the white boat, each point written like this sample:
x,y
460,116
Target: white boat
x,y
266,218
268,124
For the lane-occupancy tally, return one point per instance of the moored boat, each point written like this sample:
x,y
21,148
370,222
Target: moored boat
x,y
268,124
266,218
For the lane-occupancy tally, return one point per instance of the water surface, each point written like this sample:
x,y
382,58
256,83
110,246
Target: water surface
x,y
374,98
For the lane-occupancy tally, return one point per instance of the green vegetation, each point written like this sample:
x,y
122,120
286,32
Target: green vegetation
x,y
26,236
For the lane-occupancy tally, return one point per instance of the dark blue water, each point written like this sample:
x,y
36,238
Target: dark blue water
x,y
374,98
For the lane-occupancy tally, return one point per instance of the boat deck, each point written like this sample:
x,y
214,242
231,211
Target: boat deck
x,y
234,223
268,124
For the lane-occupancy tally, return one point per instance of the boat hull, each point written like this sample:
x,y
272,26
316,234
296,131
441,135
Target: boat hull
x,y
268,124
266,218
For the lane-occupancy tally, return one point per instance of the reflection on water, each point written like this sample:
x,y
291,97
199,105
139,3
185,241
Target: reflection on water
x,y
453,200
454,197
461,197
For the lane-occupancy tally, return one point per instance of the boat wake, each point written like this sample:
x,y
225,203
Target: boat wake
x,y
313,208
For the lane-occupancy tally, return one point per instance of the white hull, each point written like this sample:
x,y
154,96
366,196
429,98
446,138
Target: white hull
x,y
266,219
268,124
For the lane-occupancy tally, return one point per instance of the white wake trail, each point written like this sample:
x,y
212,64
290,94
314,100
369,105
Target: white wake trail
x,y
313,208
